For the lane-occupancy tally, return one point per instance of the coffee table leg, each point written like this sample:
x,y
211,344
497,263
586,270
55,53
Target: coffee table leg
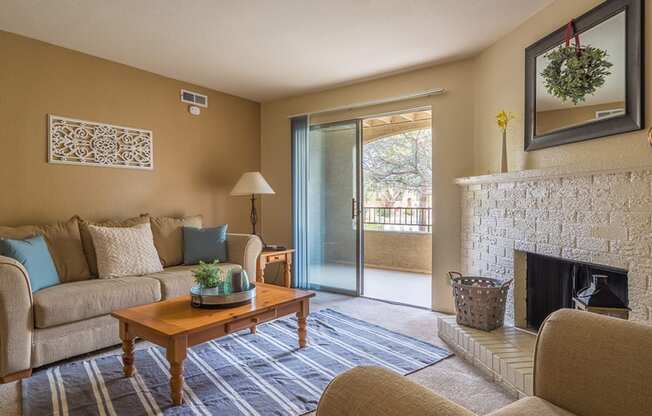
x,y
176,354
303,331
127,350
302,327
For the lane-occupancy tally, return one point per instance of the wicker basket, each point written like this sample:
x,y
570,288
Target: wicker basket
x,y
479,301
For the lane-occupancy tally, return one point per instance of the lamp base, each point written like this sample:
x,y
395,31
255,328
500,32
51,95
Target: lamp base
x,y
253,217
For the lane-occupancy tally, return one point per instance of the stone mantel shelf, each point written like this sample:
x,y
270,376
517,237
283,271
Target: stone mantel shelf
x,y
547,173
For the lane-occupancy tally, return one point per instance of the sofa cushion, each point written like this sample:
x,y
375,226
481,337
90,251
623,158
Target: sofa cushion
x,y
177,281
64,244
33,254
531,406
124,251
70,302
204,244
168,237
87,240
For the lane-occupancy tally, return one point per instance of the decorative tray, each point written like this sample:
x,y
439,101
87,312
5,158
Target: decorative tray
x,y
211,298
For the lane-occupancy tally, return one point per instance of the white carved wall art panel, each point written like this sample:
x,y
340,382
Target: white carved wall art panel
x,y
89,143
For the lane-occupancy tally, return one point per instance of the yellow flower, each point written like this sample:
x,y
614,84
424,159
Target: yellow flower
x,y
503,118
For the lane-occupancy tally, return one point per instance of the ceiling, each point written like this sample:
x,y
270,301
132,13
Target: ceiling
x,y
264,49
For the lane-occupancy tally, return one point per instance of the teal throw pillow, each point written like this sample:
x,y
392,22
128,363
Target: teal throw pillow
x,y
33,254
204,244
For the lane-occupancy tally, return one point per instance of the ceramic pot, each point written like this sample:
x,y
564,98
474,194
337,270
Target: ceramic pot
x,y
239,281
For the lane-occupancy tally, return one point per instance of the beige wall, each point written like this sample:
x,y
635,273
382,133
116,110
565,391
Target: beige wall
x,y
452,152
499,84
197,159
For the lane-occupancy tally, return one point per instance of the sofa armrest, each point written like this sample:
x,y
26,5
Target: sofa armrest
x,y
590,364
373,391
244,250
16,319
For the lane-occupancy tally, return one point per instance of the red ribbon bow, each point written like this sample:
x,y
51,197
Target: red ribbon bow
x,y
570,32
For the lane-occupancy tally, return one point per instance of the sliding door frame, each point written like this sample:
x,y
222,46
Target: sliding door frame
x,y
356,210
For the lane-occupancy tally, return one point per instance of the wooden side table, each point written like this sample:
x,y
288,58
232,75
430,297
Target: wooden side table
x,y
275,256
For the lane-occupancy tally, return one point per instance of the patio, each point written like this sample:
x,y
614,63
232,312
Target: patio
x,y
396,286
389,285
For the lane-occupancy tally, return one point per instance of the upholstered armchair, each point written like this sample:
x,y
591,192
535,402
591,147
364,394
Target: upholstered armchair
x,y
585,364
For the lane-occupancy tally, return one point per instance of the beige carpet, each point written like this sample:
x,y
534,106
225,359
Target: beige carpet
x,y
452,378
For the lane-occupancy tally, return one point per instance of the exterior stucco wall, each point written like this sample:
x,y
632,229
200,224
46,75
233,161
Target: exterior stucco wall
x,y
398,251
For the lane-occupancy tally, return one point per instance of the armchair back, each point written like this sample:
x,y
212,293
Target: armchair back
x,y
592,365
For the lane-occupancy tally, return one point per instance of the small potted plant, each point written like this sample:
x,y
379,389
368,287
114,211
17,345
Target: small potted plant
x,y
218,288
210,278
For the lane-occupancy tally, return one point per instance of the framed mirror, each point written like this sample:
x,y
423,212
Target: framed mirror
x,y
585,80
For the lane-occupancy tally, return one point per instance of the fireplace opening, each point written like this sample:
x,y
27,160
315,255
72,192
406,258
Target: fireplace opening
x,y
554,283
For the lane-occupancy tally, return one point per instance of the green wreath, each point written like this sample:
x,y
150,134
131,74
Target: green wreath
x,y
573,73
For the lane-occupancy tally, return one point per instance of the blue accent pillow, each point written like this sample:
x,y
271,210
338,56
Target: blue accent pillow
x,y
204,244
33,254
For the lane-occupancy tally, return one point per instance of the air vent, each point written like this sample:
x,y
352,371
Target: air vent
x,y
609,113
194,98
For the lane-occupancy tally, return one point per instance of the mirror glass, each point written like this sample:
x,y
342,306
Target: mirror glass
x,y
559,107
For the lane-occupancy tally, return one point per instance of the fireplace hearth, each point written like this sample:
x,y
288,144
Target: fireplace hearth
x,y
554,283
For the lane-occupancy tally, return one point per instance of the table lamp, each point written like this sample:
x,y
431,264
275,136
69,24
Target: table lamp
x,y
252,183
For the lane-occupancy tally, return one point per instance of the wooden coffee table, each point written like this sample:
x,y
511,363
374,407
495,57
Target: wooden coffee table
x,y
175,325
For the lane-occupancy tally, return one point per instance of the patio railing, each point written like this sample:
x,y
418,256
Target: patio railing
x,y
400,216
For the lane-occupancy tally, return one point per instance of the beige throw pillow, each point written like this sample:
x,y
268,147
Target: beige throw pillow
x,y
87,240
64,244
168,237
124,251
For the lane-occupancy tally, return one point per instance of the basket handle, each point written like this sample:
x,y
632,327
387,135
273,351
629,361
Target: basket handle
x,y
506,283
452,275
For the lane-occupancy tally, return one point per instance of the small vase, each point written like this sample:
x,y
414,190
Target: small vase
x,y
225,287
503,162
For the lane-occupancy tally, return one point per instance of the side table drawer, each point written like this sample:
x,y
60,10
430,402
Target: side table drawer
x,y
276,258
250,321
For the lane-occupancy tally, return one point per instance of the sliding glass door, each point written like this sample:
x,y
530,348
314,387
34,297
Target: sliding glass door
x,y
333,194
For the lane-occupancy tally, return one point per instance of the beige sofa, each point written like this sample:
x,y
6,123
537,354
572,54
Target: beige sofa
x,y
585,365
73,318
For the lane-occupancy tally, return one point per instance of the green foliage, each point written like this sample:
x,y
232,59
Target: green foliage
x,y
573,74
398,164
208,275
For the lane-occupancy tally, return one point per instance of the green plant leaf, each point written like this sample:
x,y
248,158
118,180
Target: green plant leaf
x,y
208,275
573,74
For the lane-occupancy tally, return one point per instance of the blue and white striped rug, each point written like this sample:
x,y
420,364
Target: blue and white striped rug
x,y
241,374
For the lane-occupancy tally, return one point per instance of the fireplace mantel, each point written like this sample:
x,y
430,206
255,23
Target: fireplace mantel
x,y
547,173
589,214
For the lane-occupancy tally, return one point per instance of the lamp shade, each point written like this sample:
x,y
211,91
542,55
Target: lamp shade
x,y
251,183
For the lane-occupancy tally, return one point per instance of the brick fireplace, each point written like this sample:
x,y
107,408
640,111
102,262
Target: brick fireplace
x,y
591,221
603,218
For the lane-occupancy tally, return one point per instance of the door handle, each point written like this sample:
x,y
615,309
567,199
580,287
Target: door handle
x,y
352,208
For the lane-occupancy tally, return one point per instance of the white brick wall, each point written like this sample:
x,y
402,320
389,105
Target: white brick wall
x,y
598,218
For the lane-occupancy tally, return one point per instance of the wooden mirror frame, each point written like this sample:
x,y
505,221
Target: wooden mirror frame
x,y
634,93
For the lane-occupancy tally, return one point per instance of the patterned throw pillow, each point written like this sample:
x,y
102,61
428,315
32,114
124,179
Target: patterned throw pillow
x,y
125,251
87,240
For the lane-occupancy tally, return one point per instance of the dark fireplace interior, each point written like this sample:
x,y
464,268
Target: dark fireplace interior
x,y
552,283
